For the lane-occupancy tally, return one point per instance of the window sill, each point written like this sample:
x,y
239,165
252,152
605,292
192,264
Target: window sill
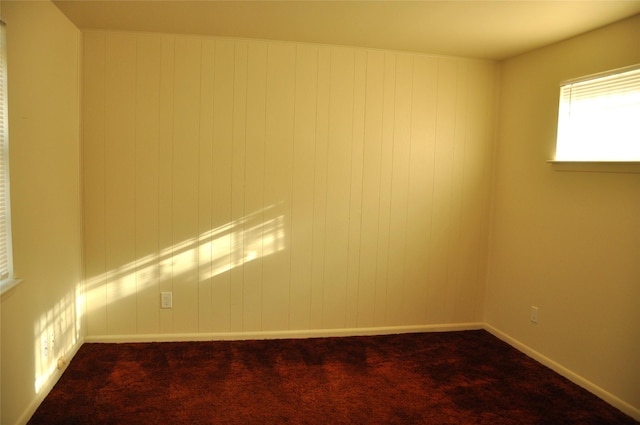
x,y
597,166
7,285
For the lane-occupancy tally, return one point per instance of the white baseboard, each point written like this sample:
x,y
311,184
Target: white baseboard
x,y
48,385
567,373
305,333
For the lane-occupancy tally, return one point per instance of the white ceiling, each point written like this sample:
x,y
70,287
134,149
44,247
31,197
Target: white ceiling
x,y
477,28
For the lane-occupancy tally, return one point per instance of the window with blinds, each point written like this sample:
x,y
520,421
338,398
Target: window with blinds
x,y
599,117
6,267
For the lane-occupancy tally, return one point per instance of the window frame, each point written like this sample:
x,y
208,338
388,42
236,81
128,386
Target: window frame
x,y
9,280
591,164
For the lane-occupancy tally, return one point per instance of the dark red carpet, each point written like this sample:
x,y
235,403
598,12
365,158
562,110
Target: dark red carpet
x,y
467,377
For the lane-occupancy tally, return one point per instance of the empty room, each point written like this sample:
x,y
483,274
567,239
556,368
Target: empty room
x,y
320,212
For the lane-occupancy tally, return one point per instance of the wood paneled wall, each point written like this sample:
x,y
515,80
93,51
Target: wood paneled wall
x,y
276,186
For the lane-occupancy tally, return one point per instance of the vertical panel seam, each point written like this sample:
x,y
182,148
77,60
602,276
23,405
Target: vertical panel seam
x,y
406,212
452,195
229,225
313,210
173,90
211,224
326,184
293,157
264,176
465,107
433,180
375,278
353,118
198,187
237,223
244,206
135,180
104,184
158,249
159,259
391,179
364,146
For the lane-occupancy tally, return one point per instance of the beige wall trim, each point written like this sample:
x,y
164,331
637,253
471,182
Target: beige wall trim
x,y
567,373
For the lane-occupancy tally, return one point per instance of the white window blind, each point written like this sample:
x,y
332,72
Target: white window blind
x,y
5,221
599,118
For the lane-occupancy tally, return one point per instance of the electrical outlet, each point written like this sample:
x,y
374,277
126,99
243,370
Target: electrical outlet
x,y
534,314
166,299
45,346
52,340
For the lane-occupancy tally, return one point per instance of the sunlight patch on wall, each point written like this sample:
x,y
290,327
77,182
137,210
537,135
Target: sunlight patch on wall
x,y
216,251
242,246
56,332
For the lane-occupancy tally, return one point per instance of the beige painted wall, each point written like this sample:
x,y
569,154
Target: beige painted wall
x,y
567,242
277,186
43,74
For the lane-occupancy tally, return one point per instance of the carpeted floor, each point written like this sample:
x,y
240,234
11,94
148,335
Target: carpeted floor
x,y
467,377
